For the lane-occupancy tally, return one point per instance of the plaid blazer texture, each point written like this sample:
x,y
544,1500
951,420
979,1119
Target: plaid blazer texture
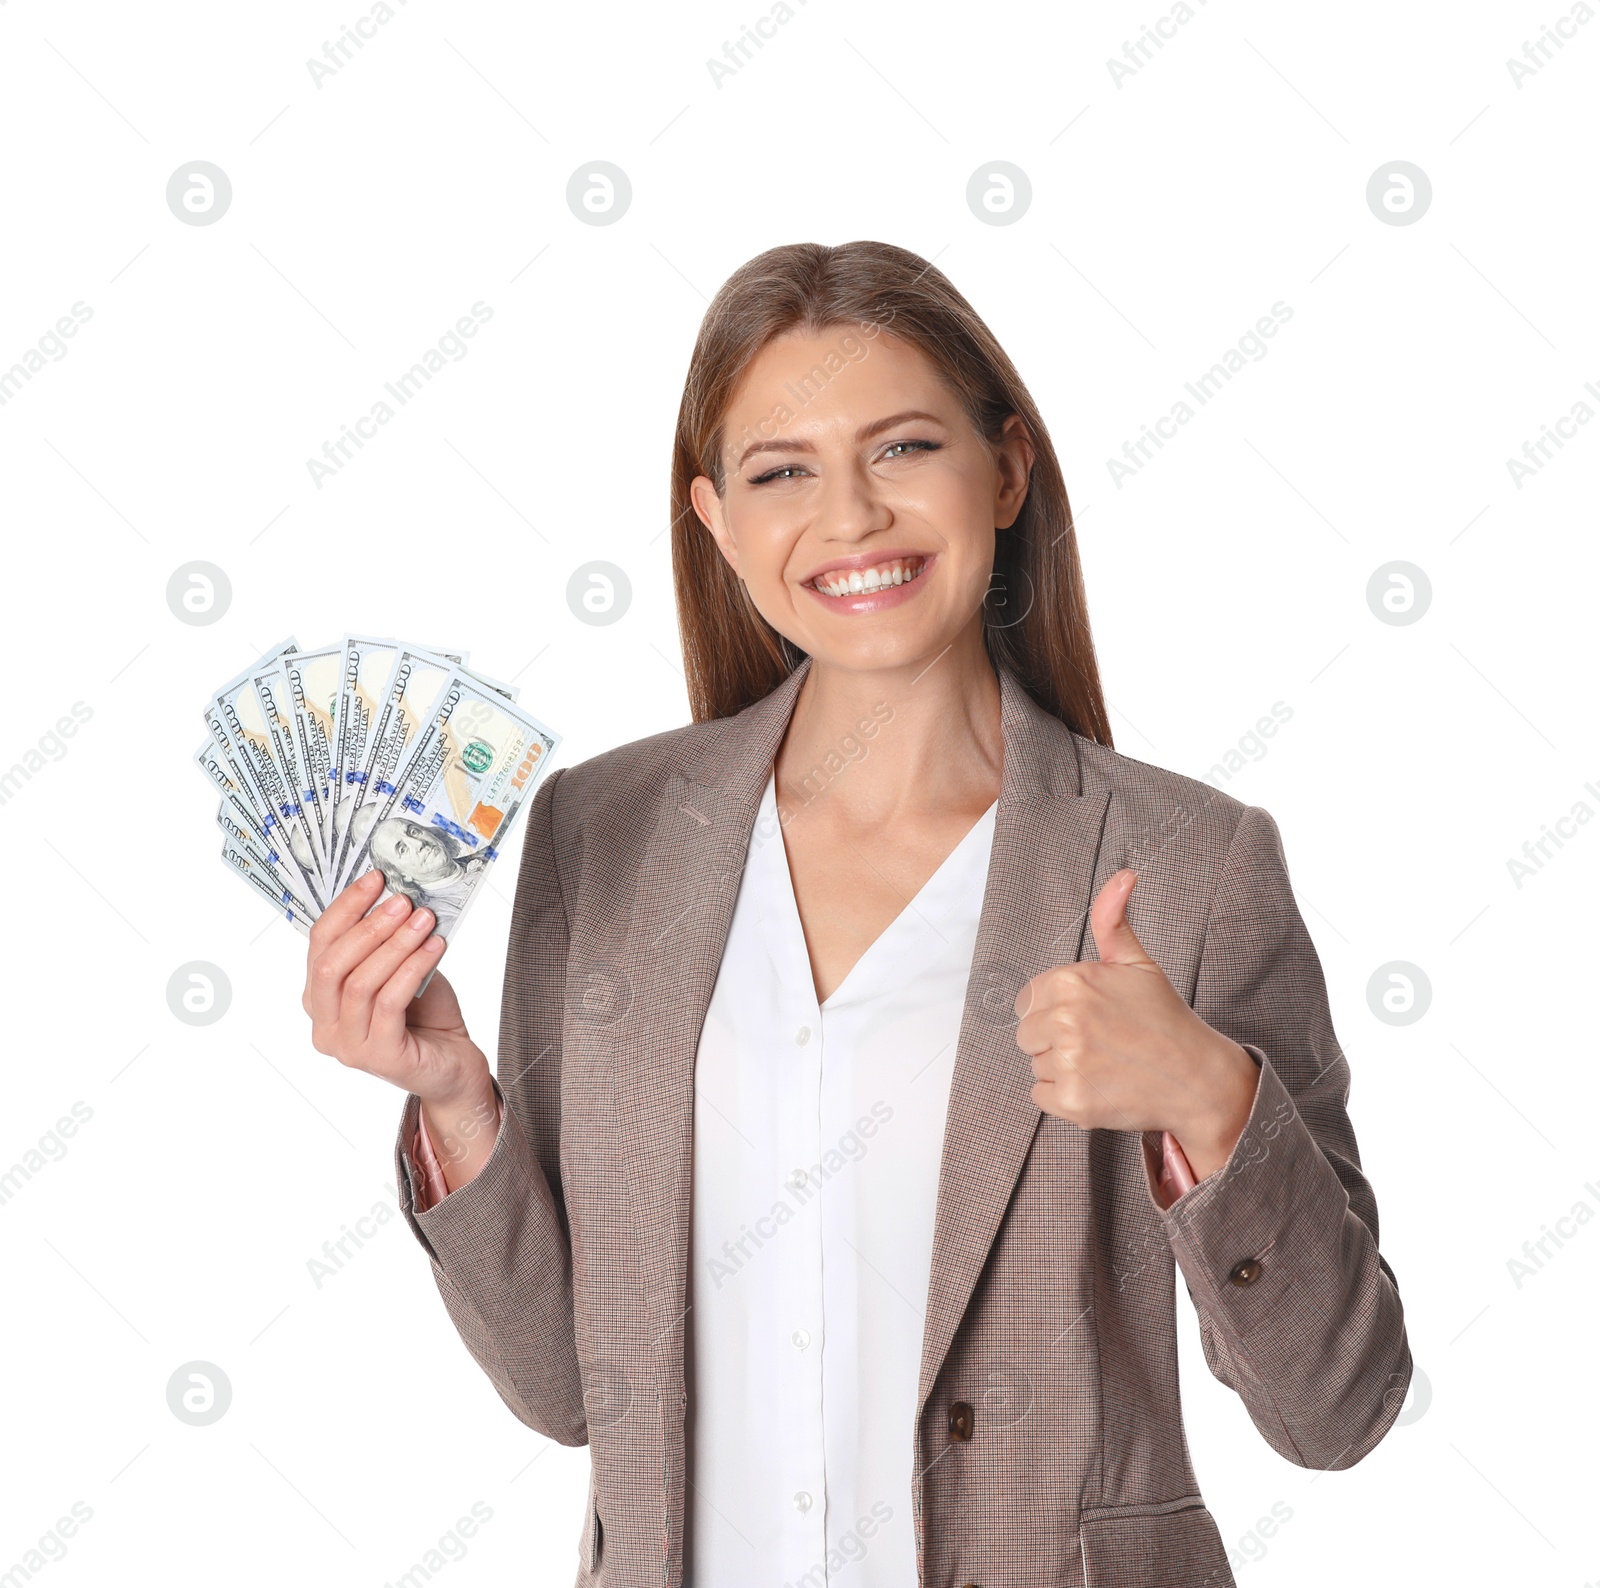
x,y
1049,1446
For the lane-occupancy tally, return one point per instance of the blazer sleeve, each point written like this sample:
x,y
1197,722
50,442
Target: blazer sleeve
x,y
499,1245
1299,1313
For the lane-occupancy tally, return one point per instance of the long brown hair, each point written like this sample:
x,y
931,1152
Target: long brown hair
x,y
732,655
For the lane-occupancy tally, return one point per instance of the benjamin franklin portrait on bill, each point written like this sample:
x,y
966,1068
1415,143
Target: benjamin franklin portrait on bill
x,y
427,865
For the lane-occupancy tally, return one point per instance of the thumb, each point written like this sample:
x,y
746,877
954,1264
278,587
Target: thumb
x,y
1108,919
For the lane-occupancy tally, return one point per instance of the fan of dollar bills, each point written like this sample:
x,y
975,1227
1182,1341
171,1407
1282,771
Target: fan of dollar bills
x,y
369,754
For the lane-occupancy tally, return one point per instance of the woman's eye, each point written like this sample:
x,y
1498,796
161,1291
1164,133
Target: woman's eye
x,y
892,451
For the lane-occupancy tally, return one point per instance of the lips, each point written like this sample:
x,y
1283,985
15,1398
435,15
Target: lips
x,y
857,577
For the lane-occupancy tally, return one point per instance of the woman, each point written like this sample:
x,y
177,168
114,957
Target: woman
x,y
875,1044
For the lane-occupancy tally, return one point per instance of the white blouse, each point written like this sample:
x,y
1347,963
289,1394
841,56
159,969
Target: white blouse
x,y
818,1132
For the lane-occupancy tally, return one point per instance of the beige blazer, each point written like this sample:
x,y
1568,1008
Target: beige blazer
x,y
1049,1446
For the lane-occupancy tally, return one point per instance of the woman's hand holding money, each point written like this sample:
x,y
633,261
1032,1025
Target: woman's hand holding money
x,y
362,975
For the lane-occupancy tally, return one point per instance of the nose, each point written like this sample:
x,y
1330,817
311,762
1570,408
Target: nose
x,y
855,503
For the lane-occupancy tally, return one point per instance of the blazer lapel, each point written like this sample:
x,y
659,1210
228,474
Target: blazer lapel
x,y
1035,912
688,885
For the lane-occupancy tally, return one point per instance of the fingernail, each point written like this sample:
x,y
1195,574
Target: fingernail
x,y
422,920
397,906
434,945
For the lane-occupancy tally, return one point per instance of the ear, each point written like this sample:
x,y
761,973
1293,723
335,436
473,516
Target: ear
x,y
708,508
1014,465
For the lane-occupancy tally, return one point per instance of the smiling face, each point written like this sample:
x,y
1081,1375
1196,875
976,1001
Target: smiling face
x,y
863,520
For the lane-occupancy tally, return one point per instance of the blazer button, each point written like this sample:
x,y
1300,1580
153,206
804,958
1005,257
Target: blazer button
x,y
1245,1272
960,1422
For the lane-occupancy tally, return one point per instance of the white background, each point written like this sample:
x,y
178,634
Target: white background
x,y
1168,214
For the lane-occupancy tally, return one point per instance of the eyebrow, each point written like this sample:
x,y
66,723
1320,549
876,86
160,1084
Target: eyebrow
x,y
865,433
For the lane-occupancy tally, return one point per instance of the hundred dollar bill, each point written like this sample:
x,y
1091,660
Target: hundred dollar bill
x,y
437,833
263,876
249,735
313,681
415,679
240,809
268,861
273,696
214,763
239,859
225,760
232,756
365,667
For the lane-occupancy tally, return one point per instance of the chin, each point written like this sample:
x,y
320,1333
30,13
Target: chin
x,y
876,654
871,642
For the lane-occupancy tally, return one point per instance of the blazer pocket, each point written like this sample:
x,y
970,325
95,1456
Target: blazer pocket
x,y
596,1538
1174,1544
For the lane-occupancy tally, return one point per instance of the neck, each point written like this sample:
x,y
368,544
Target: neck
x,y
887,743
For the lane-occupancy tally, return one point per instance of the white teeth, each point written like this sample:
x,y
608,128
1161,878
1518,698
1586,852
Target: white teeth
x,y
865,581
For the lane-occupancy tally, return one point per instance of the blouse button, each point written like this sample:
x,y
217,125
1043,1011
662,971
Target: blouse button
x,y
1245,1272
802,1501
798,1179
801,1338
802,1036
961,1420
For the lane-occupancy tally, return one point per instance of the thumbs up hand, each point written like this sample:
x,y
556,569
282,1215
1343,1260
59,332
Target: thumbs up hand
x,y
1115,1047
